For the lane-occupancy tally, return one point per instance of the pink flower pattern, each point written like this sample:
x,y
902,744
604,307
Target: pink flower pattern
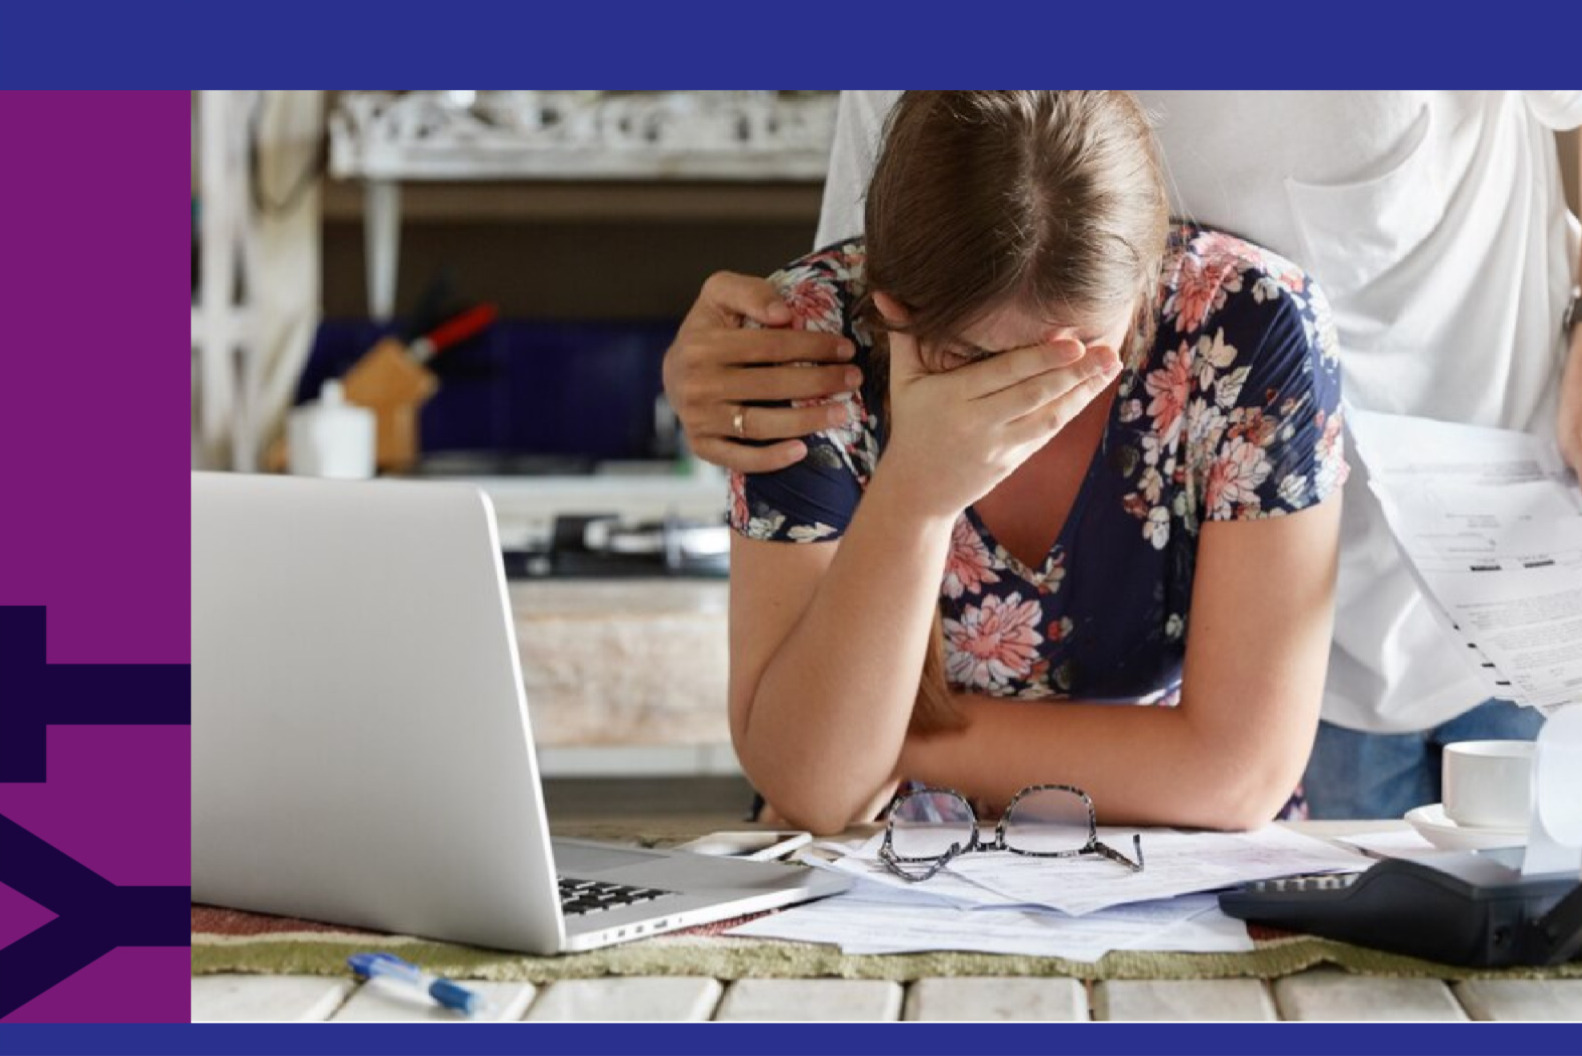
x,y
994,645
1171,387
1234,478
814,305
969,565
738,502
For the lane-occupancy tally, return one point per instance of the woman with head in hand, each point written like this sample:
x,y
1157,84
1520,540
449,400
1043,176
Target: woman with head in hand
x,y
1078,526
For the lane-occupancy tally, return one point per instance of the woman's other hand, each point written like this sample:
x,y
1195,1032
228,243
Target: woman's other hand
x,y
717,368
956,434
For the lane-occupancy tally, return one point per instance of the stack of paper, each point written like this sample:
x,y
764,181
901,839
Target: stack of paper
x,y
875,920
1075,908
1490,522
1178,863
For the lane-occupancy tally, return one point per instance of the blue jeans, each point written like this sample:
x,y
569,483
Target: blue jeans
x,y
1383,775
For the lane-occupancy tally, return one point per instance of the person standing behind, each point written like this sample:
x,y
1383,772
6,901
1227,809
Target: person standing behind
x,y
1436,222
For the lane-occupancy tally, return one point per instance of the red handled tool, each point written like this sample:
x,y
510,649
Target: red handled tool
x,y
453,332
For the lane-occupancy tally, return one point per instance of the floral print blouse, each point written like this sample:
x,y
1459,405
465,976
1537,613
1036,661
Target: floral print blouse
x,y
1232,414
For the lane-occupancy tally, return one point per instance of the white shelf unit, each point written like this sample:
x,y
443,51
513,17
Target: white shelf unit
x,y
384,140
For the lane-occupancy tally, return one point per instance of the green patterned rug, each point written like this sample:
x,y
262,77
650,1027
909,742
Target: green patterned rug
x,y
231,941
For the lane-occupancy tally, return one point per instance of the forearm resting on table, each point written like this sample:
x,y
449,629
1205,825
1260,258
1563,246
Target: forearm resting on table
x,y
1141,765
819,729
824,728
1232,752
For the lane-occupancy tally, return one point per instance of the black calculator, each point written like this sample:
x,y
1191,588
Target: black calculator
x,y
1455,908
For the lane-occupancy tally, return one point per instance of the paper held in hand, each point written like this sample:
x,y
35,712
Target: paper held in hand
x,y
1490,523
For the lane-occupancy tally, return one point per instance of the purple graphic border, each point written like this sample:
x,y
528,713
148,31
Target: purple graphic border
x,y
95,234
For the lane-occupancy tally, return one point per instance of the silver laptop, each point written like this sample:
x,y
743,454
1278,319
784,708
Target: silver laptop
x,y
361,751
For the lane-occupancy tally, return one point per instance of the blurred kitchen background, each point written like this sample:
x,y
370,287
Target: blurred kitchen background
x,y
499,273
495,276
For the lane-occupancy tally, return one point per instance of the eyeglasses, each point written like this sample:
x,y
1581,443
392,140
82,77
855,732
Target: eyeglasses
x,y
927,827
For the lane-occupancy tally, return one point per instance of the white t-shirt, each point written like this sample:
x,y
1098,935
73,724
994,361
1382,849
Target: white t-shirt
x,y
1437,223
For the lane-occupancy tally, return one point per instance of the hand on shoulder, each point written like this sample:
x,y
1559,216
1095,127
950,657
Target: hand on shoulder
x,y
719,371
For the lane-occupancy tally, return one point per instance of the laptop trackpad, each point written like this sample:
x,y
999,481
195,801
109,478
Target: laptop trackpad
x,y
577,859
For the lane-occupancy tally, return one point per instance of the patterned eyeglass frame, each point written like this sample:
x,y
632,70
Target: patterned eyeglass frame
x,y
933,863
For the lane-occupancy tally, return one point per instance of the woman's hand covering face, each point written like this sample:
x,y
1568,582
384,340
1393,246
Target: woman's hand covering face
x,y
955,434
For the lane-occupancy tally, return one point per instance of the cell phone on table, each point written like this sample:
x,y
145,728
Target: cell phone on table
x,y
753,845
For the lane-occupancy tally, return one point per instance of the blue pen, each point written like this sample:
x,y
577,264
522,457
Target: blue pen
x,y
389,966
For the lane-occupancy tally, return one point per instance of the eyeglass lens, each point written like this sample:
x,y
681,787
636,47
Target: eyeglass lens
x,y
925,824
1048,821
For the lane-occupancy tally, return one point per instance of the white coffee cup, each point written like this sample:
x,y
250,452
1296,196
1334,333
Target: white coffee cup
x,y
1489,784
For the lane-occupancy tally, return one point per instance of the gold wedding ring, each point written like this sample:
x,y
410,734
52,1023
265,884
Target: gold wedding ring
x,y
739,422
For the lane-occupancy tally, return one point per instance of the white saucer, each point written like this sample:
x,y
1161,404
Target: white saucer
x,y
1432,824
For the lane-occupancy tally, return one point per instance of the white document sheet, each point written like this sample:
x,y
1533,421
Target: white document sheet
x,y
1447,526
1177,863
1397,447
1393,843
1528,623
876,921
945,886
1490,522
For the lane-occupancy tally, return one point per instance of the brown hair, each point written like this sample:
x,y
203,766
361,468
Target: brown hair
x,y
1049,201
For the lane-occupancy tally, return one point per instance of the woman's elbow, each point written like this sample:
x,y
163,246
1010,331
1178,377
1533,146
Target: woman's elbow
x,y
820,807
1251,811
793,801
1248,797
805,795
819,819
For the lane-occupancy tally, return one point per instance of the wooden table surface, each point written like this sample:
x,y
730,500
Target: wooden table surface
x,y
1315,994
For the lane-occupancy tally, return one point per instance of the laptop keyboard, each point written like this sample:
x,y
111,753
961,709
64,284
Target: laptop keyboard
x,y
590,896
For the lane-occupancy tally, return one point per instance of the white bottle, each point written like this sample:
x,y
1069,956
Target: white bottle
x,y
331,438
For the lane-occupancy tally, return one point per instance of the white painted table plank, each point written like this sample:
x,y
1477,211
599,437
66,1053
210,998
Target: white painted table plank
x,y
996,998
376,1002
1152,1000
628,998
1558,1000
267,998
821,999
1331,994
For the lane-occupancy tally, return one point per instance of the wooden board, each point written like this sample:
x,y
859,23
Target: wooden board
x,y
1184,999
615,998
1331,994
819,1000
267,998
1506,1000
378,1003
997,999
